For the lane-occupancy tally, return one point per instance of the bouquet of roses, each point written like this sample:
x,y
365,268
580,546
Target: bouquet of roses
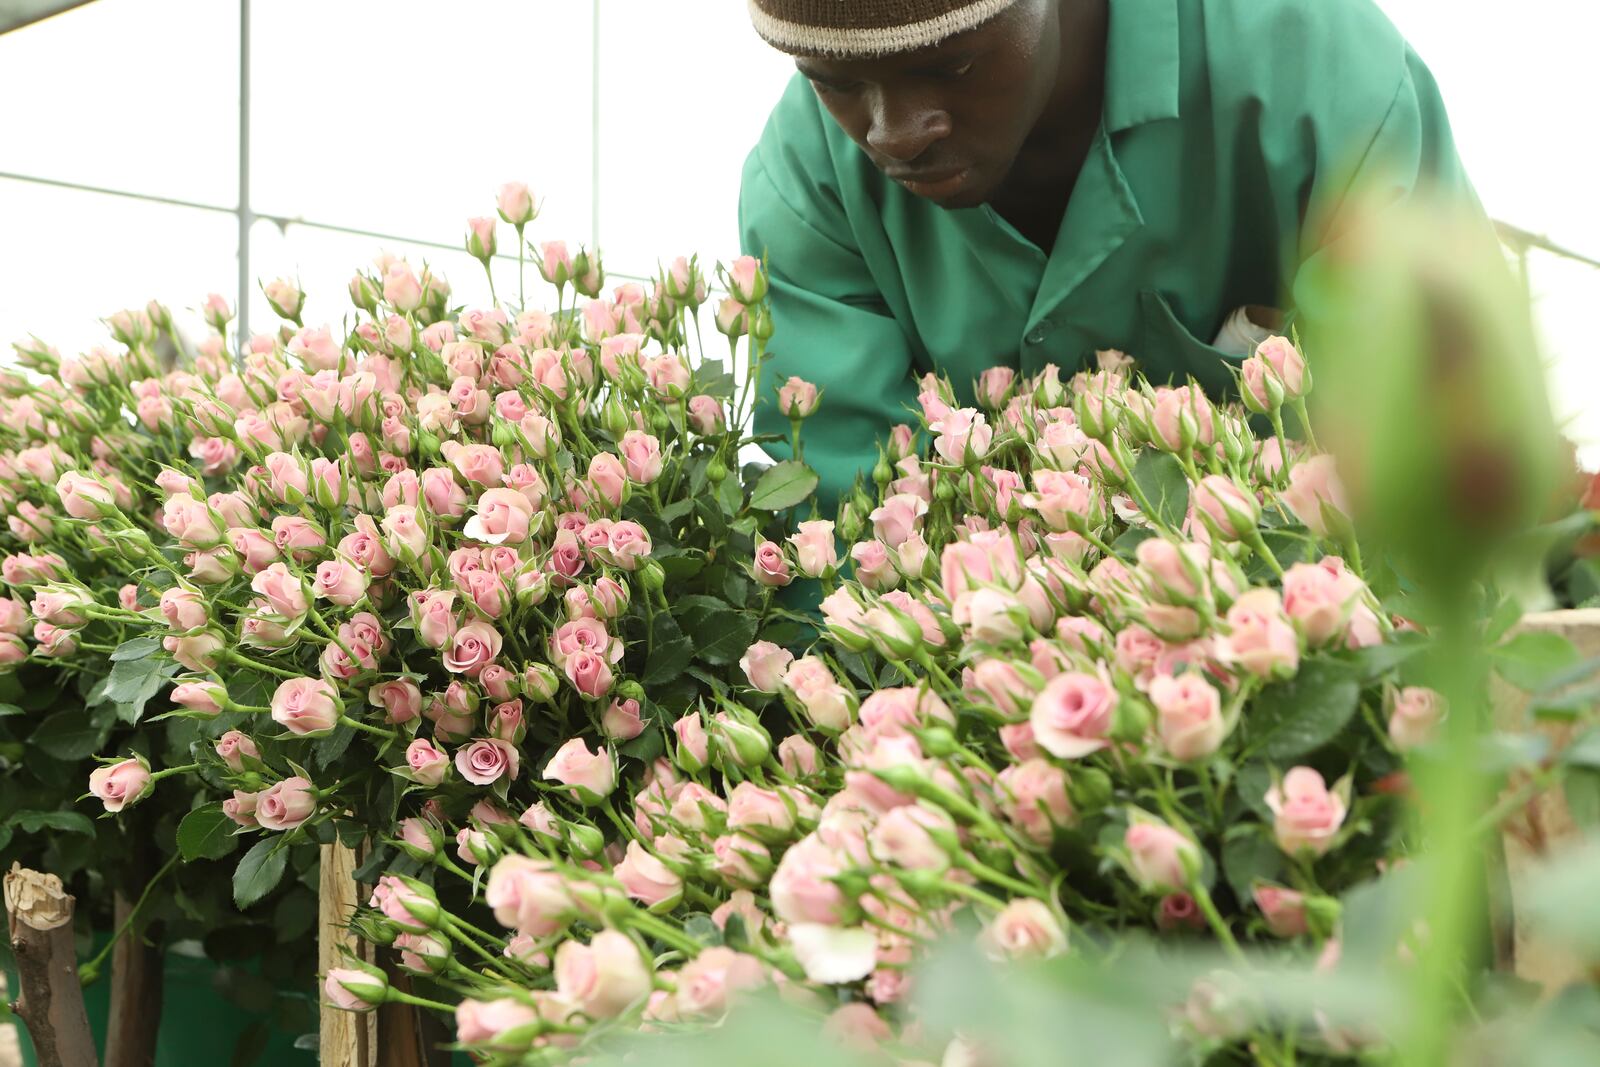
x,y
1106,661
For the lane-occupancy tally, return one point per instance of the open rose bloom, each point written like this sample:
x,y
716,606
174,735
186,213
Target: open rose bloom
x,y
497,576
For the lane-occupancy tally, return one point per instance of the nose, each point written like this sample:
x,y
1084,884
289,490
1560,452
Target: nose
x,y
902,129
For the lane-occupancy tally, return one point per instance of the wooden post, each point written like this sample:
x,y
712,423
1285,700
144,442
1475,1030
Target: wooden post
x,y
1544,826
51,1000
347,1038
137,979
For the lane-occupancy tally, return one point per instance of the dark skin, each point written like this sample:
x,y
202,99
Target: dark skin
x,y
1004,114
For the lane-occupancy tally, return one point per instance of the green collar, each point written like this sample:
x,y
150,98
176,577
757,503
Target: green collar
x,y
1141,63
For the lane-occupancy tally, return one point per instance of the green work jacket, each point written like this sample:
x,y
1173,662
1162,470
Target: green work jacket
x,y
1232,130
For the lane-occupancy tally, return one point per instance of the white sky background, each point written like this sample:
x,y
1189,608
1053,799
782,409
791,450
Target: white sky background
x,y
402,116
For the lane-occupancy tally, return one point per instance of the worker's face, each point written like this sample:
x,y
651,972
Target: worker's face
x,y
947,122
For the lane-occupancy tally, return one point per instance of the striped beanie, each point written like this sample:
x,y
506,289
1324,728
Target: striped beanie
x,y
857,29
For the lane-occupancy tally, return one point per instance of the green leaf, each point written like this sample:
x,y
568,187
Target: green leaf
x,y
1582,790
1529,660
725,638
646,747
1160,477
1584,751
137,648
327,749
670,653
1375,661
1291,718
730,494
1251,784
702,928
70,735
696,610
783,486
206,833
1128,543
1248,858
8,710
68,822
259,871
680,564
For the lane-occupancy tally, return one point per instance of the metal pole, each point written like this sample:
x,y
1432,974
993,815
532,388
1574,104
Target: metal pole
x,y
246,218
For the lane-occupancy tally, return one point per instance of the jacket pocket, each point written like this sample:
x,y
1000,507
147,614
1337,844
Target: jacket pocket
x,y
1168,349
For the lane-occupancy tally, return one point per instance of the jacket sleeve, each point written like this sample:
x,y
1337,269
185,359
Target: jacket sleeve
x,y
830,327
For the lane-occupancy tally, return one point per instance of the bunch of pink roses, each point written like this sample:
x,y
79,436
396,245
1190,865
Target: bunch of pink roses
x,y
1107,659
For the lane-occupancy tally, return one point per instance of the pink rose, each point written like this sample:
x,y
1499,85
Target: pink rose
x,y
825,702
286,804
1321,598
646,879
1317,497
605,977
1074,714
1260,638
964,436
815,554
198,651
442,495
707,983
764,664
641,456
621,721
297,537
233,748
306,706
1307,814
256,549
339,582
803,887
503,516
898,517
1232,513
433,616
589,674
473,648
909,837
1159,856
349,989
1287,364
628,545
191,522
120,784
404,534
705,414
202,697
1188,715
400,699
761,812
528,895
1034,798
1414,716
426,763
241,808
608,477
690,731
798,398
1024,929
770,567
1283,909
489,1024
515,204
591,774
487,760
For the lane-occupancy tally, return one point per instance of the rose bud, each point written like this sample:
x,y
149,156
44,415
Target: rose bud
x,y
1160,858
592,775
515,203
233,748
355,990
119,785
286,805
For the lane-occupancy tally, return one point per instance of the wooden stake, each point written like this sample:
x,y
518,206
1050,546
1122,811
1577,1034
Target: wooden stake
x,y
51,1000
136,994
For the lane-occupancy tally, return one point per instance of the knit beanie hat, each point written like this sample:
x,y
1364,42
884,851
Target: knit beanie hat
x,y
856,29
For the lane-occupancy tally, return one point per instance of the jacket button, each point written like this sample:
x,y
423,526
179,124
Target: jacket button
x,y
1039,332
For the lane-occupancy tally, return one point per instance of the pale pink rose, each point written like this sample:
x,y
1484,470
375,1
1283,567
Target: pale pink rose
x,y
433,616
628,545
1283,909
297,537
740,860
589,674
1064,500
480,237
13,616
191,522
707,983
825,702
762,812
583,634
118,785
401,288
202,697
646,879
1233,512
764,664
909,837
1188,715
695,806
256,551
480,464
1002,685
442,495
503,516
1414,716
285,297
994,385
306,706
241,808
898,517
528,895
339,582
487,760
284,591
233,748
1182,418
84,497
515,204
1074,714
1034,797
1024,929
770,567
473,648
803,889
198,651
1159,856
404,534
590,773
1321,599
705,414
798,399
286,804
690,731
400,699
641,456
349,989
494,1024
1286,362
1316,495
427,764
1260,638
814,550
1307,814
605,977
963,435
607,477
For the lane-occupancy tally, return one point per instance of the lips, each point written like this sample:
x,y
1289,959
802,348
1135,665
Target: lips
x,y
934,185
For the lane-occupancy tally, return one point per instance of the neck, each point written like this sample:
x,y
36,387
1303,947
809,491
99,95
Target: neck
x,y
1073,111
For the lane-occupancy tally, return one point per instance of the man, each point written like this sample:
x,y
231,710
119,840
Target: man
x,y
947,185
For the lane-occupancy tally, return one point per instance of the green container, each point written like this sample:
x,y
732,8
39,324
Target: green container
x,y
202,1023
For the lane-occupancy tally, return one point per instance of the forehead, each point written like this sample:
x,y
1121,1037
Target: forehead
x,y
951,48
